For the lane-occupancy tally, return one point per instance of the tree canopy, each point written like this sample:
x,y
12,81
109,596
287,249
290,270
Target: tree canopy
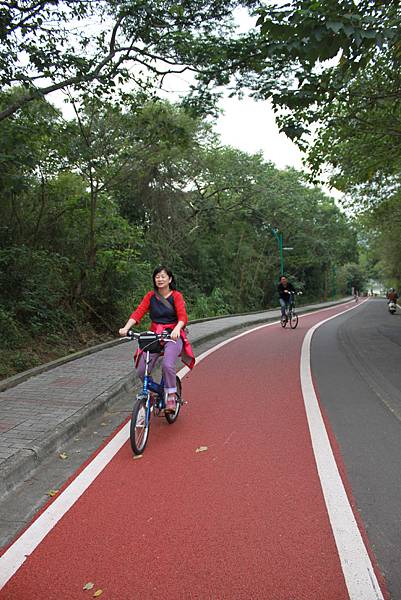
x,y
47,45
89,205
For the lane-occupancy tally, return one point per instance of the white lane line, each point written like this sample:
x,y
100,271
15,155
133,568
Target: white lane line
x,y
18,552
358,571
16,555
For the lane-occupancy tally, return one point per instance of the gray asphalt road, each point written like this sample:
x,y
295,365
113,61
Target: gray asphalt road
x,y
356,362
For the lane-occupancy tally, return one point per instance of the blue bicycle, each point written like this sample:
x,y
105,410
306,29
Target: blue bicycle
x,y
151,399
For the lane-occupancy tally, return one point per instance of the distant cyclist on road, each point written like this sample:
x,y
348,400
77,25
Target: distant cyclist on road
x,y
285,289
392,295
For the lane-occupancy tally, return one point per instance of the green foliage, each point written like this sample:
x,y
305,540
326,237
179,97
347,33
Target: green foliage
x,y
32,288
93,46
212,304
11,333
382,249
332,69
106,197
351,275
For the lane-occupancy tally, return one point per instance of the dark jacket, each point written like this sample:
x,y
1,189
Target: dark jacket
x,y
283,291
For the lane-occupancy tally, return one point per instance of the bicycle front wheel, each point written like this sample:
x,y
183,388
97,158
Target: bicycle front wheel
x,y
293,320
172,417
139,429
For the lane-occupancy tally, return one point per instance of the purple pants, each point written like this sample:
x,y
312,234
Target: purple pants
x,y
169,359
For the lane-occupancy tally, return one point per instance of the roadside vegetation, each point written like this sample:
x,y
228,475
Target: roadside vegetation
x,y
89,205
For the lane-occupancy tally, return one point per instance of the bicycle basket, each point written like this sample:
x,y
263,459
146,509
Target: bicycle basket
x,y
149,342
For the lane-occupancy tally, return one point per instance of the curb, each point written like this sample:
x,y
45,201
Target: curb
x,y
15,380
26,460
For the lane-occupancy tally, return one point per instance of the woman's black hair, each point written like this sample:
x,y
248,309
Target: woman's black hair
x,y
169,273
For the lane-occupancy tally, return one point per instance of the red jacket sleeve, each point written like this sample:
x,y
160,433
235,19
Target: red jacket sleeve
x,y
142,308
180,309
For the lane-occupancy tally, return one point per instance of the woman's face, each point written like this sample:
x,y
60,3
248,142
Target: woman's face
x,y
162,279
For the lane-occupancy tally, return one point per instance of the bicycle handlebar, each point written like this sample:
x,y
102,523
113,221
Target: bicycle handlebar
x,y
164,336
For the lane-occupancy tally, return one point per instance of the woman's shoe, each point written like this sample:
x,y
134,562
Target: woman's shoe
x,y
170,404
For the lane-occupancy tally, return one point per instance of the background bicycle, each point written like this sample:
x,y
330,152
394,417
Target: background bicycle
x,y
290,316
151,399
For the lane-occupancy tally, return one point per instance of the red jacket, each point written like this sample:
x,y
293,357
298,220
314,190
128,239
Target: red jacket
x,y
187,354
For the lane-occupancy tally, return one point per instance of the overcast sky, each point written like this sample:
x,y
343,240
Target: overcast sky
x,y
251,126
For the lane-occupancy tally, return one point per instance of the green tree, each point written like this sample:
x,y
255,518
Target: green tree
x,y
80,43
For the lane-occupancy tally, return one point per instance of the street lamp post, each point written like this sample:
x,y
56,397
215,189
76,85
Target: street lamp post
x,y
279,237
333,274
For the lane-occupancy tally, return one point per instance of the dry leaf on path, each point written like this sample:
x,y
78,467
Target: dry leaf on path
x,y
52,492
88,586
98,593
63,455
138,456
201,449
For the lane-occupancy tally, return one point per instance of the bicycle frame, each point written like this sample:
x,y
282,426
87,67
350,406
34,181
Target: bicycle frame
x,y
150,385
290,315
290,305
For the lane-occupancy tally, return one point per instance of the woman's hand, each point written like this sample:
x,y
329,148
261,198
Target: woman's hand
x,y
175,334
124,330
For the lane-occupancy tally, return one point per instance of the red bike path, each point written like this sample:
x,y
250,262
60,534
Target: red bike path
x,y
243,519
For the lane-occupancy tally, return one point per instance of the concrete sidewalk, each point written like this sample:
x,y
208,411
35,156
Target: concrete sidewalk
x,y
41,409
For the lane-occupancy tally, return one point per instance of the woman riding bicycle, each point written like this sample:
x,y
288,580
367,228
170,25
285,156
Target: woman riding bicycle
x,y
166,307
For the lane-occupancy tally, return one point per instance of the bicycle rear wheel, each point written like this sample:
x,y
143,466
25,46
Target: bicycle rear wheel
x,y
293,320
139,429
172,417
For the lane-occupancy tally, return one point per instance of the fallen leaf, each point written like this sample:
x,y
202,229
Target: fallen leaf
x,y
63,455
98,593
201,449
138,456
52,492
88,586
103,424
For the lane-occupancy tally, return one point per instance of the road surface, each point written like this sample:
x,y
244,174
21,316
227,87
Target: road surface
x,y
250,495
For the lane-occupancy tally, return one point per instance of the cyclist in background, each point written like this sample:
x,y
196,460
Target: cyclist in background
x,y
166,307
392,295
285,289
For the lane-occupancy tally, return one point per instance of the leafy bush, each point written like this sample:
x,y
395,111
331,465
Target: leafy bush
x,y
11,335
209,306
34,288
